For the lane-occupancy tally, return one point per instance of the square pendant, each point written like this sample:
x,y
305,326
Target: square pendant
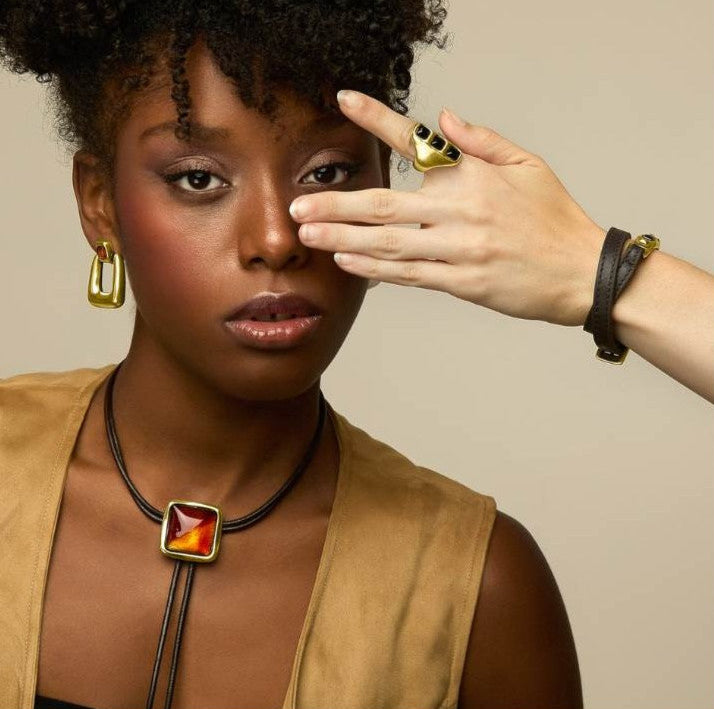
x,y
191,531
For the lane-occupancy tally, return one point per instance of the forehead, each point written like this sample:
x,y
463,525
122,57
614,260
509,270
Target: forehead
x,y
217,113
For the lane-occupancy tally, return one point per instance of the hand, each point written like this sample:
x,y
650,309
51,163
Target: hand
x,y
498,229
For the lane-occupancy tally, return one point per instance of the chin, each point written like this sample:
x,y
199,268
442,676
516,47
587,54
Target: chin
x,y
258,375
273,386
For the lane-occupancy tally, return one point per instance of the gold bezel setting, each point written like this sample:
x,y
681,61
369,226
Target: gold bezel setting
x,y
188,556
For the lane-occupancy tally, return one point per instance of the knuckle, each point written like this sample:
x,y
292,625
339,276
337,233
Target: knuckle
x,y
490,136
478,290
482,205
479,252
406,139
470,287
411,273
331,205
373,271
339,239
468,211
382,205
390,242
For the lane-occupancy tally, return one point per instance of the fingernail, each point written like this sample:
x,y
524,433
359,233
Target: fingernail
x,y
307,232
347,98
298,208
342,259
458,120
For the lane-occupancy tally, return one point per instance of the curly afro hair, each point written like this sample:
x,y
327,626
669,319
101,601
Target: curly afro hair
x,y
83,47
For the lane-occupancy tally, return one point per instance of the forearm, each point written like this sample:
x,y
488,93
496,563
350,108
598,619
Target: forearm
x,y
666,315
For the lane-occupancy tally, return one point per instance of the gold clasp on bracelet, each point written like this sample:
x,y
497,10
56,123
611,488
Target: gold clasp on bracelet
x,y
648,243
611,357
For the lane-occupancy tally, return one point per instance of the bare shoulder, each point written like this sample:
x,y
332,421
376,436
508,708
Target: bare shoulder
x,y
521,650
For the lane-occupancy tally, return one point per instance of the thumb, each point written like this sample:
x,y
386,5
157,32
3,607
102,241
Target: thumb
x,y
480,141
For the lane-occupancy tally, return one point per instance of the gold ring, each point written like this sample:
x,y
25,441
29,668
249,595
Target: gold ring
x,y
432,149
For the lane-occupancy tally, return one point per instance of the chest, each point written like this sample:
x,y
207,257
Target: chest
x,y
106,595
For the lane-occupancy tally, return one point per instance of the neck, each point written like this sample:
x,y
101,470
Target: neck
x,y
181,438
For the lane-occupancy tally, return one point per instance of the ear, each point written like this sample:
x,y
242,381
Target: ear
x,y
93,191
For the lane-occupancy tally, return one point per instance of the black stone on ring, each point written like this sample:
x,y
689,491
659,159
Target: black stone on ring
x,y
436,142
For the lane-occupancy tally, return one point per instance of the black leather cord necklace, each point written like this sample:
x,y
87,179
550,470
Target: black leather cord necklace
x,y
191,533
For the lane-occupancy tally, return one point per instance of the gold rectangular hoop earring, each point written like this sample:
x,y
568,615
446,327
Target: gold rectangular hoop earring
x,y
96,296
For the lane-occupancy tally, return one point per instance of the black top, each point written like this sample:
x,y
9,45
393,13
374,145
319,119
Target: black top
x,y
47,703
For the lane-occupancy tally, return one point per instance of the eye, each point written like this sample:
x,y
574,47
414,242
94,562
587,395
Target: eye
x,y
195,180
325,174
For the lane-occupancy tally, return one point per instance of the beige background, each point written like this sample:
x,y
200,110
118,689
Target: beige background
x,y
609,467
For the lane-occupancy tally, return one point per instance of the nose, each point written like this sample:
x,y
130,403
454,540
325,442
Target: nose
x,y
268,236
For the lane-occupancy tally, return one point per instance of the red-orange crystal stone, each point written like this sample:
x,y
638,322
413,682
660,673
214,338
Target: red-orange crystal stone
x,y
191,530
102,252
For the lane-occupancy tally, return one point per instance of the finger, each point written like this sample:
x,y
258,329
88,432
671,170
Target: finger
x,y
482,142
375,205
378,118
384,242
422,274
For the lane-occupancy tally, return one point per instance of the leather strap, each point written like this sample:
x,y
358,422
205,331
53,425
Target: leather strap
x,y
599,320
179,632
162,636
637,250
627,268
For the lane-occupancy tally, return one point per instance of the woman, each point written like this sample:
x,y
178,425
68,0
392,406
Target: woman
x,y
360,587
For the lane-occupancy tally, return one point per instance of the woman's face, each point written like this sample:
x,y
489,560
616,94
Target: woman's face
x,y
204,227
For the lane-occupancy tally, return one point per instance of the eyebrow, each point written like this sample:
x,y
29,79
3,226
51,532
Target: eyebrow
x,y
206,134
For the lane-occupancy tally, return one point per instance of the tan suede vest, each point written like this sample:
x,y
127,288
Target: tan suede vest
x,y
388,622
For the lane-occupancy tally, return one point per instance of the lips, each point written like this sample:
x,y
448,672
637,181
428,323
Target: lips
x,y
275,307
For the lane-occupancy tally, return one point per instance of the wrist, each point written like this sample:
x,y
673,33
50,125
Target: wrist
x,y
582,298
619,260
629,307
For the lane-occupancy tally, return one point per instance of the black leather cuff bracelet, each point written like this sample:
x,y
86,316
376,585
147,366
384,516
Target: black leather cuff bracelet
x,y
599,321
608,288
